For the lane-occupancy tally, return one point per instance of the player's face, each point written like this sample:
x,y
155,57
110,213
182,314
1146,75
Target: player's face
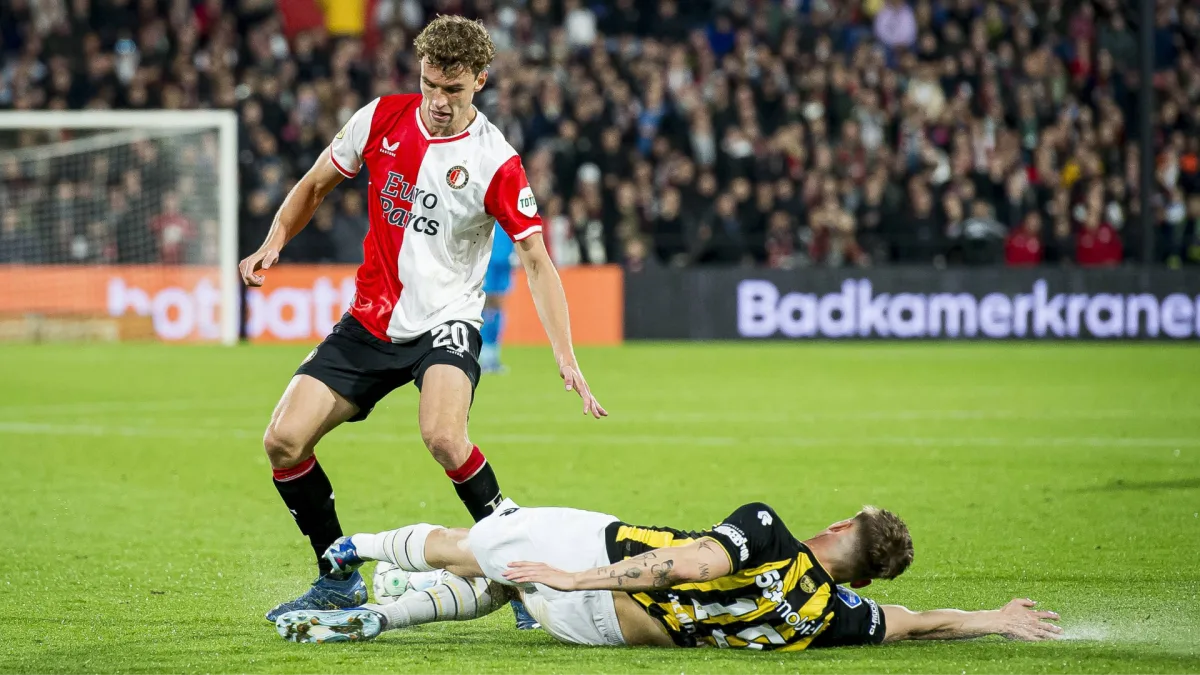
x,y
447,99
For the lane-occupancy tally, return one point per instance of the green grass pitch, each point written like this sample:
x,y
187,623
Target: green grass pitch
x,y
141,532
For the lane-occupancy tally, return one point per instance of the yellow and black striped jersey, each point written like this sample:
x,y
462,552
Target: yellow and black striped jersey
x,y
776,596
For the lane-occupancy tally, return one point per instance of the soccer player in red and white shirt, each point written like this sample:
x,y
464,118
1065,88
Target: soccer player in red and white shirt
x,y
440,176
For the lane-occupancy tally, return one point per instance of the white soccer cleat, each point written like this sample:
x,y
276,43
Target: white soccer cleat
x,y
334,625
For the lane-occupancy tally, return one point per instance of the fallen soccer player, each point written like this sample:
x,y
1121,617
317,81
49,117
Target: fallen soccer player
x,y
591,579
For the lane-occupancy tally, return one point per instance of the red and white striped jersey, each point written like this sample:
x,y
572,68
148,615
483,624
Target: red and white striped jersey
x,y
432,202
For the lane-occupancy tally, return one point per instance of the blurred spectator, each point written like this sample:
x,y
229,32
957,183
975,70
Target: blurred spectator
x,y
637,256
721,240
349,229
1024,245
833,241
668,231
560,235
781,241
1097,244
173,229
981,237
919,238
580,23
1185,239
17,243
316,242
896,25
254,222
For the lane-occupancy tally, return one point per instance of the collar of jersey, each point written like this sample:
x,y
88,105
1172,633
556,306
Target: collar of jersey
x,y
447,139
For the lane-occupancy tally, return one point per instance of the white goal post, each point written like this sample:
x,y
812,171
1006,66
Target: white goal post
x,y
116,134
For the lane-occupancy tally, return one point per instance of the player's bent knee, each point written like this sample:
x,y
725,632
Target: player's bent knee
x,y
449,449
447,549
284,448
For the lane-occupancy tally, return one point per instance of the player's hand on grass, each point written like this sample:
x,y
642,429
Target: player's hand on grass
x,y
262,259
1019,621
540,573
573,381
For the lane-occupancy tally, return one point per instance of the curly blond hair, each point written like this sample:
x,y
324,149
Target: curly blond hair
x,y
455,43
884,548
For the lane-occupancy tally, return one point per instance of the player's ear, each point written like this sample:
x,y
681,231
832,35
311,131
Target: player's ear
x,y
480,80
842,525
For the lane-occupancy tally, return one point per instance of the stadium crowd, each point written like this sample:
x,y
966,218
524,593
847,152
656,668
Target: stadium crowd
x,y
779,133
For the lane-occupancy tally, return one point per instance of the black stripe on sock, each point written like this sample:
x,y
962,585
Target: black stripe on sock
x,y
406,554
435,604
454,597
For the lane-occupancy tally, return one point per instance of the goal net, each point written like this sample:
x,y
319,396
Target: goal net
x,y
119,225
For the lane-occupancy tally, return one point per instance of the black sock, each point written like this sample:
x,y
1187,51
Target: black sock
x,y
309,496
476,485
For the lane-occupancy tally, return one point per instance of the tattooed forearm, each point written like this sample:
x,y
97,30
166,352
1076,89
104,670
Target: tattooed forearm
x,y
631,573
620,577
662,573
695,562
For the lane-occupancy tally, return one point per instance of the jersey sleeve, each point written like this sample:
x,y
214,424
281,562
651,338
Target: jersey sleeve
x,y
347,147
856,621
510,201
752,535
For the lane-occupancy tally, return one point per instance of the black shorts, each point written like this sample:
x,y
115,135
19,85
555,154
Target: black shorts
x,y
363,369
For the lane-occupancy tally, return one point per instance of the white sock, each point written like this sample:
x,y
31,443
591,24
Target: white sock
x,y
455,599
404,547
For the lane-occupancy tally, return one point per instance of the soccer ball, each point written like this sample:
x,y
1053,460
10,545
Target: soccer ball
x,y
389,583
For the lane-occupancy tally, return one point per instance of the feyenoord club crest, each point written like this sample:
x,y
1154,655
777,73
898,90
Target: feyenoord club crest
x,y
457,177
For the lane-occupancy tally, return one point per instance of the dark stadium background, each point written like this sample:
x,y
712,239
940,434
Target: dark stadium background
x,y
767,133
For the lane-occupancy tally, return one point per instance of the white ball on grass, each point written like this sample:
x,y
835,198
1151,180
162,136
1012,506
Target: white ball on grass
x,y
388,583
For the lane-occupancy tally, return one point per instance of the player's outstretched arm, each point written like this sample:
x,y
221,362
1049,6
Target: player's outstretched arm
x,y
551,302
1018,620
702,560
295,212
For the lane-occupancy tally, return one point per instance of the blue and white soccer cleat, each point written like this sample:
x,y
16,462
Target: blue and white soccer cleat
x,y
343,556
326,593
525,620
338,625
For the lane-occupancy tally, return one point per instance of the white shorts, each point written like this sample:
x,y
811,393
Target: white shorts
x,y
569,539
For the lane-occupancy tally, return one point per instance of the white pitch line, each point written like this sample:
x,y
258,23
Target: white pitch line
x,y
880,416
50,429
760,417
673,438
126,406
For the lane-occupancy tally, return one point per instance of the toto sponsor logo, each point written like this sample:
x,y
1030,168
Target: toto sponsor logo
x,y
857,311
281,313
